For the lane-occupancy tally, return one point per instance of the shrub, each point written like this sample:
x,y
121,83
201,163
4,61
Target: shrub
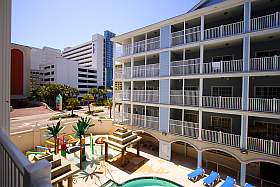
x,y
63,116
94,111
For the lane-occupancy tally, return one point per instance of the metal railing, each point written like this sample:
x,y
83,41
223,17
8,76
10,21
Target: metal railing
x,y
118,95
124,50
183,128
127,73
139,71
222,102
139,96
223,66
139,47
152,70
176,127
263,146
221,137
264,105
126,118
17,171
126,95
188,36
153,43
224,30
152,122
265,22
191,98
152,96
118,74
138,120
265,64
176,97
185,67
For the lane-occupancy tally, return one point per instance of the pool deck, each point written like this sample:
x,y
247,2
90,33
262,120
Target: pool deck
x,y
154,166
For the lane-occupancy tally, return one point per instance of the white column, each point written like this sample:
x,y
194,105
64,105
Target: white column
x,y
244,132
131,65
245,92
184,32
145,122
202,27
5,64
200,91
201,59
242,173
164,150
199,158
200,124
132,45
247,15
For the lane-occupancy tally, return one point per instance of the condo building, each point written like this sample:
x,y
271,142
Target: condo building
x,y
97,54
204,87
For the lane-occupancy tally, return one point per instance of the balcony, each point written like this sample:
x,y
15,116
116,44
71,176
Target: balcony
x,y
126,118
139,96
190,35
222,102
265,22
223,67
149,96
264,105
139,71
265,64
118,95
264,146
149,70
153,43
185,67
127,73
138,120
190,98
124,50
146,45
183,128
152,122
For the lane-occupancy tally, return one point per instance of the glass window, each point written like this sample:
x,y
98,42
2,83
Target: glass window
x,y
220,124
191,117
264,130
225,91
267,92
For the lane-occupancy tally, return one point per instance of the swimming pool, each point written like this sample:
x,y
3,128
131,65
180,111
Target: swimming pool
x,y
145,182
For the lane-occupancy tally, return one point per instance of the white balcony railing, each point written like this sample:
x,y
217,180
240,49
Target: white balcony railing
x,y
183,128
118,117
265,64
139,71
152,96
126,118
265,22
191,35
223,66
176,97
152,70
138,120
185,67
176,127
118,74
126,95
139,47
127,73
224,30
222,102
17,171
124,50
118,95
153,43
263,146
264,105
139,95
152,122
221,137
177,38
191,98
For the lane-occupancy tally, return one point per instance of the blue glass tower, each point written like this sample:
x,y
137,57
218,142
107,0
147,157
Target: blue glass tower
x,y
108,58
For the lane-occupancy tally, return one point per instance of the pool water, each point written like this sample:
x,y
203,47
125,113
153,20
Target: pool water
x,y
146,182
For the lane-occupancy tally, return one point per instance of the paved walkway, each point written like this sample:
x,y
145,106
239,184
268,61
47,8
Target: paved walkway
x,y
29,111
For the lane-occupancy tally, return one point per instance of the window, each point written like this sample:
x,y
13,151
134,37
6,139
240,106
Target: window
x,y
268,53
191,88
220,124
265,130
191,117
267,92
224,91
222,58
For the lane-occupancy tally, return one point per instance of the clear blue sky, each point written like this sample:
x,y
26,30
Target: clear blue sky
x,y
62,23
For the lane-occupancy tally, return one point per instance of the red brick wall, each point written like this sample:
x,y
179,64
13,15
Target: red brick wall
x,y
17,72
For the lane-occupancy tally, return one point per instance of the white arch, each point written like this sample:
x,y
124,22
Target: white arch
x,y
149,133
223,150
262,160
185,141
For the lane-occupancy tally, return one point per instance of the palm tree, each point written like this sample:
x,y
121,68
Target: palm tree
x,y
73,102
93,92
103,92
81,129
109,104
88,98
53,132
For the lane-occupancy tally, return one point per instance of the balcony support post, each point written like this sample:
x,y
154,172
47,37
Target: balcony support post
x,y
184,34
199,158
132,45
202,27
200,91
145,119
164,150
244,132
201,59
245,92
146,45
183,118
242,173
247,16
200,124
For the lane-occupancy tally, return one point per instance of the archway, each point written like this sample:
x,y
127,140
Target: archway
x,y
263,173
149,143
222,162
184,154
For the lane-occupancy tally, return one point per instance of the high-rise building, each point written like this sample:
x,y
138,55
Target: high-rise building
x,y
206,85
97,54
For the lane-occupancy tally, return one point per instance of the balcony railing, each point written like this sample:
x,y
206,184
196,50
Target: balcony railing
x,y
17,171
118,74
176,97
222,102
139,95
191,97
118,95
152,122
126,118
224,30
138,120
265,22
152,70
223,66
191,35
126,95
152,96
139,71
183,128
221,137
118,117
264,105
184,67
139,47
263,146
265,64
124,50
153,43
127,73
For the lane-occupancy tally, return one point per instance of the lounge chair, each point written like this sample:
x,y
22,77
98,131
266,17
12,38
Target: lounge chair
x,y
211,179
248,185
199,172
229,182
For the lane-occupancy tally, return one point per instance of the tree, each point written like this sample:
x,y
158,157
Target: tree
x,y
93,92
81,129
72,103
109,104
102,92
88,98
53,132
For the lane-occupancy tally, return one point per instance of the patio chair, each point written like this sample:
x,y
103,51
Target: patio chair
x,y
211,179
199,172
229,182
248,185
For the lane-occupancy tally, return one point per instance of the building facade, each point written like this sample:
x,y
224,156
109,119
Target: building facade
x,y
96,54
206,85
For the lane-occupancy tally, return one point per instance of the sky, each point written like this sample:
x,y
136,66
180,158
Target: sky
x,y
62,23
